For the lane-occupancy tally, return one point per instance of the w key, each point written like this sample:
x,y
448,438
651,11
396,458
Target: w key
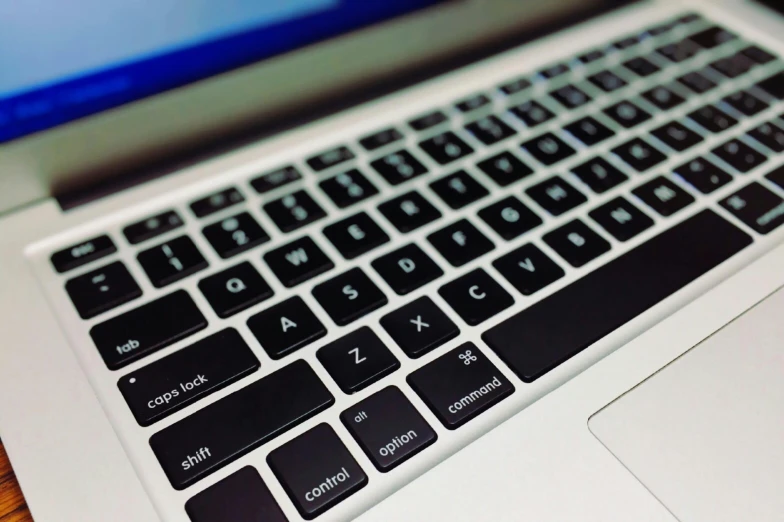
x,y
298,261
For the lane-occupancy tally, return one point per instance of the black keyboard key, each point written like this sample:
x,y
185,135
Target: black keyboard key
x,y
663,98
388,428
679,51
607,81
770,135
601,302
473,103
505,168
712,37
740,156
182,378
589,131
490,129
510,218
661,29
733,66
141,331
152,227
460,243
703,175
242,496
516,86
713,119
577,243
773,85
460,385
223,431
398,167
298,261
171,261
663,196
571,96
294,211
218,201
357,360
528,269
642,66
419,327
381,138
409,211
235,234
626,43
235,289
428,120
446,148
776,176
746,103
758,55
317,471
677,136
548,149
459,189
103,289
599,175
556,196
555,70
286,327
627,114
330,158
697,82
757,207
476,297
276,179
689,19
639,154
591,56
407,269
349,296
348,188
621,219
355,235
532,113
83,253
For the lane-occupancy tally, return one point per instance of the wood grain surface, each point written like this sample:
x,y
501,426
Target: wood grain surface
x,y
12,503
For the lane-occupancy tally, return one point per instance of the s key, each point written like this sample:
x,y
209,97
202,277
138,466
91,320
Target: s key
x,y
349,296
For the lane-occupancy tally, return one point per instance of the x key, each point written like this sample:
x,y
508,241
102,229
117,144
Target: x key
x,y
419,327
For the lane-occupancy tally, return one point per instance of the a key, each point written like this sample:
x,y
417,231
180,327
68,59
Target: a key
x,y
460,385
758,55
556,196
621,219
381,138
663,98
317,471
757,207
407,269
570,96
733,66
398,167
459,189
446,148
357,360
528,269
642,66
712,37
227,429
554,70
235,234
141,331
713,119
235,289
152,227
740,156
476,297
510,218
171,261
216,202
697,82
103,289
349,296
627,114
591,56
294,211
746,103
460,243
548,149
83,253
773,85
330,158
490,129
187,375
275,179
286,327
599,175
532,113
677,136
663,196
678,52
242,496
388,428
473,103
419,327
505,168
516,86
607,81
409,211
770,135
640,155
577,243
348,188
298,261
589,131
355,235
703,175
613,294
427,121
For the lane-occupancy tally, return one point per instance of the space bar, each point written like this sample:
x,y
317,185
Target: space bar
x,y
543,336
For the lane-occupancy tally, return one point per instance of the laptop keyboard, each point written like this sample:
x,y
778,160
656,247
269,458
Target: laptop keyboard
x,y
527,126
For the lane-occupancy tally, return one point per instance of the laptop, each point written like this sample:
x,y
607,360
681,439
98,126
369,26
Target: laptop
x,y
458,260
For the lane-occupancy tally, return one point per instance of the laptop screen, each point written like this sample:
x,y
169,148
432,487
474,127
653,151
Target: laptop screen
x,y
60,60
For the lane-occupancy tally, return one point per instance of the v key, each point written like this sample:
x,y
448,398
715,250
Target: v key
x,y
528,269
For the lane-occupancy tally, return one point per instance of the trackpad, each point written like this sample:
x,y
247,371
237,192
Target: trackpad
x,y
706,434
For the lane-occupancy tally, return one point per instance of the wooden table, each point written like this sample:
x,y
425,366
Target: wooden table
x,y
12,503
